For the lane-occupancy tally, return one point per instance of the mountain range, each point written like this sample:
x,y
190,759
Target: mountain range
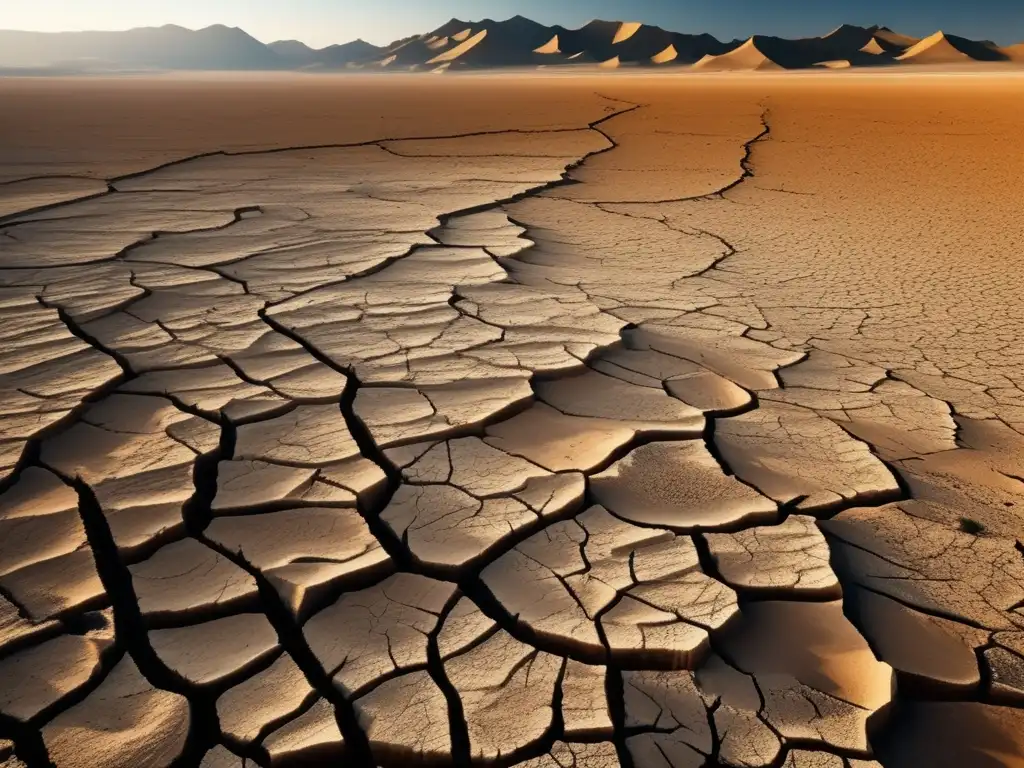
x,y
488,44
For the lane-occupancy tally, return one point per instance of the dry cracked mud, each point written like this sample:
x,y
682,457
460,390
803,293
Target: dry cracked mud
x,y
648,422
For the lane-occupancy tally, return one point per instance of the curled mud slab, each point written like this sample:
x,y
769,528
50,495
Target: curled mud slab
x,y
669,426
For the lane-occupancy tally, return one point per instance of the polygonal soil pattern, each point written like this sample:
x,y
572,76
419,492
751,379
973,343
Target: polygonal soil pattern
x,y
591,438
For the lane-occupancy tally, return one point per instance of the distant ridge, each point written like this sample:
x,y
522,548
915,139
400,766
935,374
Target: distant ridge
x,y
292,50
302,56
488,44
167,47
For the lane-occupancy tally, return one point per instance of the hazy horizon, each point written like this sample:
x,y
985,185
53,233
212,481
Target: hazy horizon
x,y
321,22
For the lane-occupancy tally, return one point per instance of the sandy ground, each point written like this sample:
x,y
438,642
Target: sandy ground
x,y
575,420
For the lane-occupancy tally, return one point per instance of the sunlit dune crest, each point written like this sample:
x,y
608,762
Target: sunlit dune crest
x,y
834,64
665,56
873,47
454,53
934,49
551,46
626,30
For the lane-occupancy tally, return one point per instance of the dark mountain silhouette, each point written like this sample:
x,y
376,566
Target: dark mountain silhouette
x,y
692,48
451,27
855,45
510,43
894,42
458,44
637,43
859,46
400,41
419,49
473,45
849,36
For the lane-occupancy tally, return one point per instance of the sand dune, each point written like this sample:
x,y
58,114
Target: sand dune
x,y
488,44
935,49
852,46
1014,52
767,53
873,47
857,46
664,57
411,53
941,48
551,46
510,43
421,51
748,57
461,49
635,43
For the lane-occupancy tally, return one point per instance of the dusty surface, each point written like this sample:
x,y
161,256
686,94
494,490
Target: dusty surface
x,y
640,421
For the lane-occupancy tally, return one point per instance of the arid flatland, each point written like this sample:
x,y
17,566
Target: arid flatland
x,y
660,421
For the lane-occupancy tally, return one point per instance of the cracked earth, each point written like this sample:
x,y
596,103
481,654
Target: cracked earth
x,y
636,423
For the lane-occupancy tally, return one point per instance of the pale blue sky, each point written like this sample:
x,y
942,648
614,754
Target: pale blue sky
x,y
321,22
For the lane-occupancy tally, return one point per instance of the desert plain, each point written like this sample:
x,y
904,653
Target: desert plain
x,y
538,420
